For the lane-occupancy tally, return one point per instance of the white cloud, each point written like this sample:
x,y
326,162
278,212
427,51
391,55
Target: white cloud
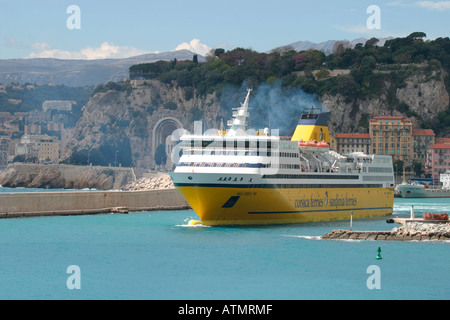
x,y
105,51
430,5
195,46
440,5
397,4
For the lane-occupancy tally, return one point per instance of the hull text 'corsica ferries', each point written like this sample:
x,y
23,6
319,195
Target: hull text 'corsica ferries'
x,y
247,177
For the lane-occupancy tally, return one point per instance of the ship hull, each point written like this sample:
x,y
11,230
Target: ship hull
x,y
247,205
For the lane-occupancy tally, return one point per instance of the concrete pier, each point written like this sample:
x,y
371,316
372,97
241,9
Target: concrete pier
x,y
88,202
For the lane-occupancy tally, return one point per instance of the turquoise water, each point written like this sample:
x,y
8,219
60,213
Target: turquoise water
x,y
156,255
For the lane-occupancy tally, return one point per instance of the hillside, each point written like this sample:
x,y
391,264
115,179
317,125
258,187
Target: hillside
x,y
131,119
30,96
388,75
76,73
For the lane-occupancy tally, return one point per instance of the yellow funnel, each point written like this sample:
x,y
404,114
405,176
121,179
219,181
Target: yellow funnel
x,y
313,125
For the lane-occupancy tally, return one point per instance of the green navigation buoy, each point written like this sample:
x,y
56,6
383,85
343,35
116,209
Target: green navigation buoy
x,y
378,257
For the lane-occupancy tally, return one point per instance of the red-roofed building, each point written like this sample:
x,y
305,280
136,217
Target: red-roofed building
x,y
442,140
422,139
438,159
353,142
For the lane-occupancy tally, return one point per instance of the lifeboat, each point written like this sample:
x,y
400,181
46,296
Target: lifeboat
x,y
323,144
314,144
435,216
306,143
428,216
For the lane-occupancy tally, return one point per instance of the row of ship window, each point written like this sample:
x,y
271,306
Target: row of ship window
x,y
312,176
239,165
311,186
283,166
220,165
227,152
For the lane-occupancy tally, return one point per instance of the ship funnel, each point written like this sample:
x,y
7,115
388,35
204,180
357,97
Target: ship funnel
x,y
313,125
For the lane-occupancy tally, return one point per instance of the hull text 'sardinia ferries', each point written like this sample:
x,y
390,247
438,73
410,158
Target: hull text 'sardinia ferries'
x,y
243,177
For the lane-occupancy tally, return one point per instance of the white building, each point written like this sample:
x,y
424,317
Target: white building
x,y
57,105
42,147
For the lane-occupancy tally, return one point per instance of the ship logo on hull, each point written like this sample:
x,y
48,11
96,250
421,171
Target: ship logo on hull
x,y
231,202
336,201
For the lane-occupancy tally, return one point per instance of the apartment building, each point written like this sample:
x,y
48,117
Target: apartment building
x,y
353,142
4,145
41,147
392,136
57,105
438,159
422,139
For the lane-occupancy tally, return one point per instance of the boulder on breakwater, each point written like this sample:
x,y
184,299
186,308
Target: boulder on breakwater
x,y
151,182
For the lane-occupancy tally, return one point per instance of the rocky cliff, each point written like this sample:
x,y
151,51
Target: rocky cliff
x,y
64,176
127,124
421,97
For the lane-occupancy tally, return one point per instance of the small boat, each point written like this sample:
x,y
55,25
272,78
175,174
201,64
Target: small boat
x,y
417,190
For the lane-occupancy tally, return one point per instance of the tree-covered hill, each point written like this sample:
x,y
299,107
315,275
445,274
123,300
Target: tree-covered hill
x,y
368,68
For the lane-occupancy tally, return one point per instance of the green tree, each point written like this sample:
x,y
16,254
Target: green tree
x,y
418,35
314,58
418,170
398,166
218,52
372,42
322,74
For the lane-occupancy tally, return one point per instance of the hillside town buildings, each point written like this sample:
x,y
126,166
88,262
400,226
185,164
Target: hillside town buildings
x,y
395,136
36,136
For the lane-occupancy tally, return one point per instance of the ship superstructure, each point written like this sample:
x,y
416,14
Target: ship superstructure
x,y
237,177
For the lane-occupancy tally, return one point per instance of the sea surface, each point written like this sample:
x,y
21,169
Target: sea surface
x,y
157,255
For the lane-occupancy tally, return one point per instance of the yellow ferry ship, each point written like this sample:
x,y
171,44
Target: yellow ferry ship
x,y
250,177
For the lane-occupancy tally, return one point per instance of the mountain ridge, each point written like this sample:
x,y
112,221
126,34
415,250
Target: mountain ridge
x,y
78,72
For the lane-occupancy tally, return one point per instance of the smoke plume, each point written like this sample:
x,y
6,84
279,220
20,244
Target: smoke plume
x,y
272,106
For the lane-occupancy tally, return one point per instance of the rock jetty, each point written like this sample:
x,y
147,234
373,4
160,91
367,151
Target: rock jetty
x,y
414,231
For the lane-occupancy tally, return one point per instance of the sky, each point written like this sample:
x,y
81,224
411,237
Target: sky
x,y
98,29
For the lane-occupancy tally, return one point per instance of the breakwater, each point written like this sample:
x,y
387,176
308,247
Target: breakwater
x,y
413,231
88,202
